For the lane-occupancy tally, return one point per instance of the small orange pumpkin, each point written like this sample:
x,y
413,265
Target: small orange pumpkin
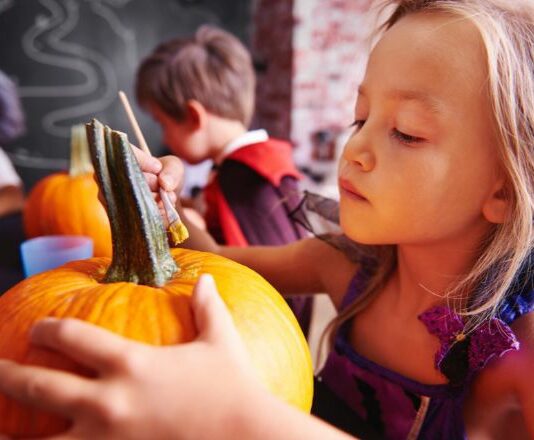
x,y
144,293
67,203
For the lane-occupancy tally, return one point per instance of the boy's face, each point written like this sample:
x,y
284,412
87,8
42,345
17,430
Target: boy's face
x,y
422,160
183,138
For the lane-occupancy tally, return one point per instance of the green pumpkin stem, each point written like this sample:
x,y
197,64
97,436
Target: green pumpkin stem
x,y
141,252
80,161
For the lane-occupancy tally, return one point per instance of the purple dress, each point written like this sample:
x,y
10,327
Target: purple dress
x,y
368,400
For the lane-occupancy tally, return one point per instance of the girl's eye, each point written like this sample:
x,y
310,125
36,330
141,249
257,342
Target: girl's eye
x,y
406,138
357,124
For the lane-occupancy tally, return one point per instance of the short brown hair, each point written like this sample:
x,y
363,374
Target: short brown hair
x,y
213,67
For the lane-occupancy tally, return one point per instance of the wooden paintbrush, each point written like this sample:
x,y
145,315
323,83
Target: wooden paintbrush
x,y
177,231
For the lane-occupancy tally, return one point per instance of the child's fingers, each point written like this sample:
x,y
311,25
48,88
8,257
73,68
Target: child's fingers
x,y
91,346
147,163
212,318
152,181
171,174
52,390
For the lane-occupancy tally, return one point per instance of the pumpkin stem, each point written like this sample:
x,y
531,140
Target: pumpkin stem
x,y
80,161
140,249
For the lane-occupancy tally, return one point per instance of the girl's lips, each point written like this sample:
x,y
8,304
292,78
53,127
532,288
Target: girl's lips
x,y
350,190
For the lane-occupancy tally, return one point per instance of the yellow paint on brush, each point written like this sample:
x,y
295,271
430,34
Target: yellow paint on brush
x,y
177,233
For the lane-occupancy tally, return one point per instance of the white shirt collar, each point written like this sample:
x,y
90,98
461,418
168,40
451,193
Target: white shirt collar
x,y
248,138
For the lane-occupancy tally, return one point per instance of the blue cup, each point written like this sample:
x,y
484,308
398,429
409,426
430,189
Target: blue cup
x,y
50,251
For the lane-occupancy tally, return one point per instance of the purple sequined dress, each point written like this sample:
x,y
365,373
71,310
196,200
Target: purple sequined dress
x,y
370,401
395,407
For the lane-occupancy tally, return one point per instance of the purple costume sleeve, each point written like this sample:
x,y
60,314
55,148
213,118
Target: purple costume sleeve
x,y
261,209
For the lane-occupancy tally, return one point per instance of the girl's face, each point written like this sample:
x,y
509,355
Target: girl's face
x,y
422,161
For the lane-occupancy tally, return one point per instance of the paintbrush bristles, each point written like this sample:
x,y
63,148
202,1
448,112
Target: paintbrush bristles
x,y
177,233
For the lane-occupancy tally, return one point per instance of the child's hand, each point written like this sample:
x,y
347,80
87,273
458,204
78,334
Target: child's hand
x,y
166,172
141,391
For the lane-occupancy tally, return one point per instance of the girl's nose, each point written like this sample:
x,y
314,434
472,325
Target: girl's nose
x,y
359,152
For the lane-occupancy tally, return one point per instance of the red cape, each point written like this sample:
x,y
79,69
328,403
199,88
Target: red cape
x,y
272,160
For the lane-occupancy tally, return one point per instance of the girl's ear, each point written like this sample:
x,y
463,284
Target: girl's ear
x,y
196,114
497,206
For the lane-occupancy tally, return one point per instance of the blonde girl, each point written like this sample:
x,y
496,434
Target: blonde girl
x,y
434,338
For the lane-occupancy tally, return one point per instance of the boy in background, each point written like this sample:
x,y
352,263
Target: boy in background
x,y
201,91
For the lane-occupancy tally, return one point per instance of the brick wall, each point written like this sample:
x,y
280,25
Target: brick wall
x,y
311,55
272,49
330,44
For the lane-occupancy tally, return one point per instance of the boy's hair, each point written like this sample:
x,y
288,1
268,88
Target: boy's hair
x,y
212,67
506,28
12,123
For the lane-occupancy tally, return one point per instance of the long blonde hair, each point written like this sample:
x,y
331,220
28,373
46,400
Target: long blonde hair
x,y
507,31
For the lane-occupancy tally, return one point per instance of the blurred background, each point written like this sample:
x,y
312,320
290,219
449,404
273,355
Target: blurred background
x,y
70,57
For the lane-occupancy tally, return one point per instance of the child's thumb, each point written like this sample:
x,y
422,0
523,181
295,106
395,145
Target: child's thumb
x,y
214,322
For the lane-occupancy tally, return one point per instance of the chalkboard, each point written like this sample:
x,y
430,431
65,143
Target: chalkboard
x,y
70,57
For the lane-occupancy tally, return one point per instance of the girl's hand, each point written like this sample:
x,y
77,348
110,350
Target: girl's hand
x,y
141,391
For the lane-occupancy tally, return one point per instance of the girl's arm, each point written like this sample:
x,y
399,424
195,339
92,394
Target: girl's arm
x,y
305,266
141,391
502,397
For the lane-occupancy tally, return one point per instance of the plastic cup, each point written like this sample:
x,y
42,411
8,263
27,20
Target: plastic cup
x,y
48,252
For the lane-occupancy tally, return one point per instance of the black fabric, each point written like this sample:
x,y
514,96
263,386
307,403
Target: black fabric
x,y
330,408
261,209
11,236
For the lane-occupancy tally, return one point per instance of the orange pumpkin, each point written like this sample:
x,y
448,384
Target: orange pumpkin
x,y
67,203
144,293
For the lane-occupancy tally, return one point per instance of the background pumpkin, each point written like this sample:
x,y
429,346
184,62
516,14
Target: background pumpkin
x,y
67,203
153,305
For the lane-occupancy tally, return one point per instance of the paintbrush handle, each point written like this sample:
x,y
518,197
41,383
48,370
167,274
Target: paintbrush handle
x,y
172,215
133,122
